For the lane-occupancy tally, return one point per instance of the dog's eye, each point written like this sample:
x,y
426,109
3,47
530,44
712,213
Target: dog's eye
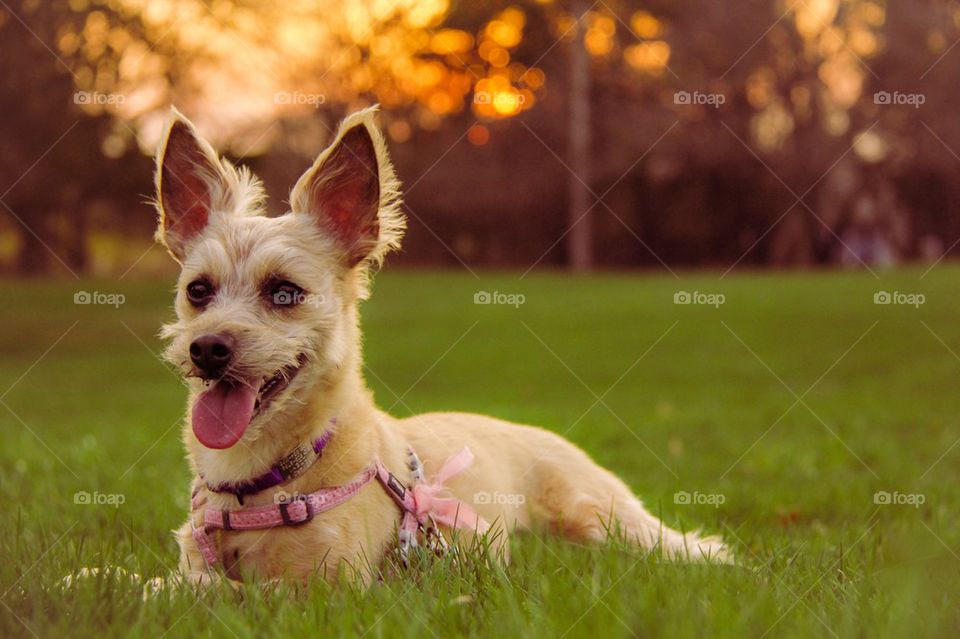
x,y
285,293
199,292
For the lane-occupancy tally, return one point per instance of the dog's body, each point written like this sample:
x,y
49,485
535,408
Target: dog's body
x,y
268,325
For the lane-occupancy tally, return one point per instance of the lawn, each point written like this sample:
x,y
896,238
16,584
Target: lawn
x,y
774,418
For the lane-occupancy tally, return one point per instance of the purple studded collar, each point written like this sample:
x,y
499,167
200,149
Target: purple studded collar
x,y
288,467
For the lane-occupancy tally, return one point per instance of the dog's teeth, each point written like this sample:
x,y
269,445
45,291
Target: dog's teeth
x,y
279,380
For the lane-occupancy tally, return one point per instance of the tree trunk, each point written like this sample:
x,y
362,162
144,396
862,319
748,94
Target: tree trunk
x,y
32,258
580,237
77,256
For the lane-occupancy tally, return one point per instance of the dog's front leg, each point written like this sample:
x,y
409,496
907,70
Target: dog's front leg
x,y
193,569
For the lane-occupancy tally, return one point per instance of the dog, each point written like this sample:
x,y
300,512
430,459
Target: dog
x,y
297,472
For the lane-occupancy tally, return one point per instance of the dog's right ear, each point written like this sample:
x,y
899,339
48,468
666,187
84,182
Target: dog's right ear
x,y
190,179
352,193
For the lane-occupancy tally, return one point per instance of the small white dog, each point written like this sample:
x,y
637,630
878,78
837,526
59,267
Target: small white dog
x,y
297,472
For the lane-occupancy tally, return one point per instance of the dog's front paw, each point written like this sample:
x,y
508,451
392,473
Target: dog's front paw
x,y
712,549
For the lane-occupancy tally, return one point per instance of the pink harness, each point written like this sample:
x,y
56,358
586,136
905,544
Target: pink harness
x,y
423,505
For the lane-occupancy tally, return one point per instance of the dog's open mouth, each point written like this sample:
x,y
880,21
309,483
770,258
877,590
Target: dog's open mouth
x,y
223,411
273,386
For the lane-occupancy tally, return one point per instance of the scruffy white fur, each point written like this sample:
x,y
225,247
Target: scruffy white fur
x,y
238,247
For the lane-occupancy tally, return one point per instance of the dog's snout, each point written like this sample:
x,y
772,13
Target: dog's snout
x,y
212,353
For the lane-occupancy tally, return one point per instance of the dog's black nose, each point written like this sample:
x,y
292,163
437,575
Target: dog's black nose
x,y
212,353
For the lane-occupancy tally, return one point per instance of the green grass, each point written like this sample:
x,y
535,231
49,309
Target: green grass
x,y
709,414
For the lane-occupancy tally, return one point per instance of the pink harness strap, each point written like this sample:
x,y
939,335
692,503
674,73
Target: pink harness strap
x,y
421,506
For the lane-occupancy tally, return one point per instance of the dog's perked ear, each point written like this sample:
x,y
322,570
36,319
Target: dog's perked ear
x,y
352,193
190,181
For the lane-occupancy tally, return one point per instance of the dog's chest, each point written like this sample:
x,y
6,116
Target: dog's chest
x,y
290,552
354,534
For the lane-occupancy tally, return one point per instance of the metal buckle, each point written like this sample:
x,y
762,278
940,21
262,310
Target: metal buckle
x,y
396,486
285,513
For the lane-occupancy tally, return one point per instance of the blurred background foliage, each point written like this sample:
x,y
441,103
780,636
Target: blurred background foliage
x,y
549,133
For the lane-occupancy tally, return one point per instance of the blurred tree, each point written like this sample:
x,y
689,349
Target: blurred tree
x,y
580,238
55,95
498,91
109,68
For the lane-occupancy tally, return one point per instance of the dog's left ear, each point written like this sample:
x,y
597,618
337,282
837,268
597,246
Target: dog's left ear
x,y
352,193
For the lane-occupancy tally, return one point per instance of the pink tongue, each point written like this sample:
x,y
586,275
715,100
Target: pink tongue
x,y
221,414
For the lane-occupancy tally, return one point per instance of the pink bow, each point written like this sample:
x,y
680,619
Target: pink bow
x,y
449,511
